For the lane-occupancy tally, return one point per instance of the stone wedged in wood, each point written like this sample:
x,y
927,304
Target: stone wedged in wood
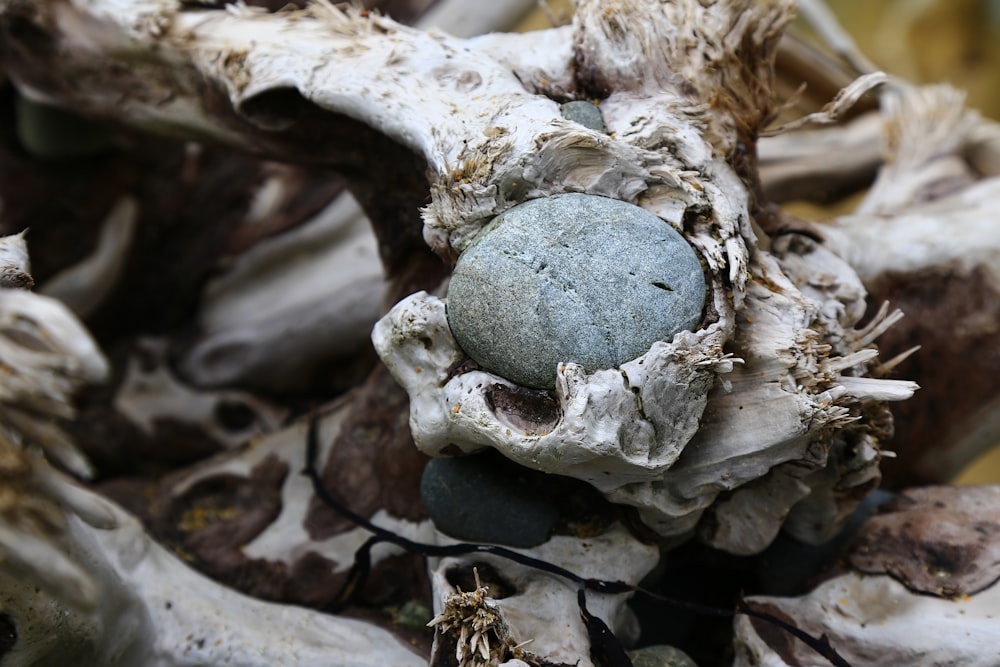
x,y
650,443
768,416
803,355
478,499
572,278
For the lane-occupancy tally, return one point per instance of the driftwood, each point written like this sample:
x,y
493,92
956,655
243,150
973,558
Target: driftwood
x,y
772,414
925,570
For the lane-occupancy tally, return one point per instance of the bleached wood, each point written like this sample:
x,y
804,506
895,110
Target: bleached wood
x,y
151,394
672,437
820,163
15,267
46,355
303,299
464,110
543,609
762,414
109,594
875,619
678,102
84,286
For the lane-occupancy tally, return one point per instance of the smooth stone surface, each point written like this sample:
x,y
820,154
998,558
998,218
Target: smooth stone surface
x,y
480,499
413,614
660,656
572,278
585,113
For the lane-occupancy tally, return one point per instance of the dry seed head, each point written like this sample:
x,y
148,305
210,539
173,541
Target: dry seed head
x,y
483,637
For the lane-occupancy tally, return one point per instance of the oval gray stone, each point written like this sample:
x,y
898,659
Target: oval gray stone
x,y
585,113
660,656
572,278
479,499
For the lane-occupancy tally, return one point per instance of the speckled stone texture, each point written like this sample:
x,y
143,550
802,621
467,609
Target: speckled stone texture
x,y
572,278
585,113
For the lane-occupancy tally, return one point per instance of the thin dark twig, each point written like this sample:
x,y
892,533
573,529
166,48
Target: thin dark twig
x,y
605,649
821,644
362,564
435,550
360,569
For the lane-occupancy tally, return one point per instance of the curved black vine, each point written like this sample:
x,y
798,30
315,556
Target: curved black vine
x,y
606,643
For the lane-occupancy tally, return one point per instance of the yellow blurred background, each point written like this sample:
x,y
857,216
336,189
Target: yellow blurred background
x,y
925,41
932,41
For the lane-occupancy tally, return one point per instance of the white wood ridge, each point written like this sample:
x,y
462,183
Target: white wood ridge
x,y
760,419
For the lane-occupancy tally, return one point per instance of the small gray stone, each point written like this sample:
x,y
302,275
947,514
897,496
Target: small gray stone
x,y
413,614
572,278
585,113
660,656
482,499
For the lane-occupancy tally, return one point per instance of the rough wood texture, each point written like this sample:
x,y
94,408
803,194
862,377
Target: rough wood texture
x,y
544,608
939,540
925,238
928,595
776,344
771,414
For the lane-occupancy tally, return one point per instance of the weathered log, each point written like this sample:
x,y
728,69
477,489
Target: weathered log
x,y
764,415
925,239
923,590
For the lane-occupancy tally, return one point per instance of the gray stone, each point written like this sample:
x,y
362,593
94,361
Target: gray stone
x,y
660,656
585,113
572,278
514,186
482,499
413,614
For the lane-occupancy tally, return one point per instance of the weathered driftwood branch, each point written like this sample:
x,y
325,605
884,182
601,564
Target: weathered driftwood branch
x,y
82,581
821,165
922,589
47,355
925,239
477,113
84,286
471,109
266,326
763,416
95,589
